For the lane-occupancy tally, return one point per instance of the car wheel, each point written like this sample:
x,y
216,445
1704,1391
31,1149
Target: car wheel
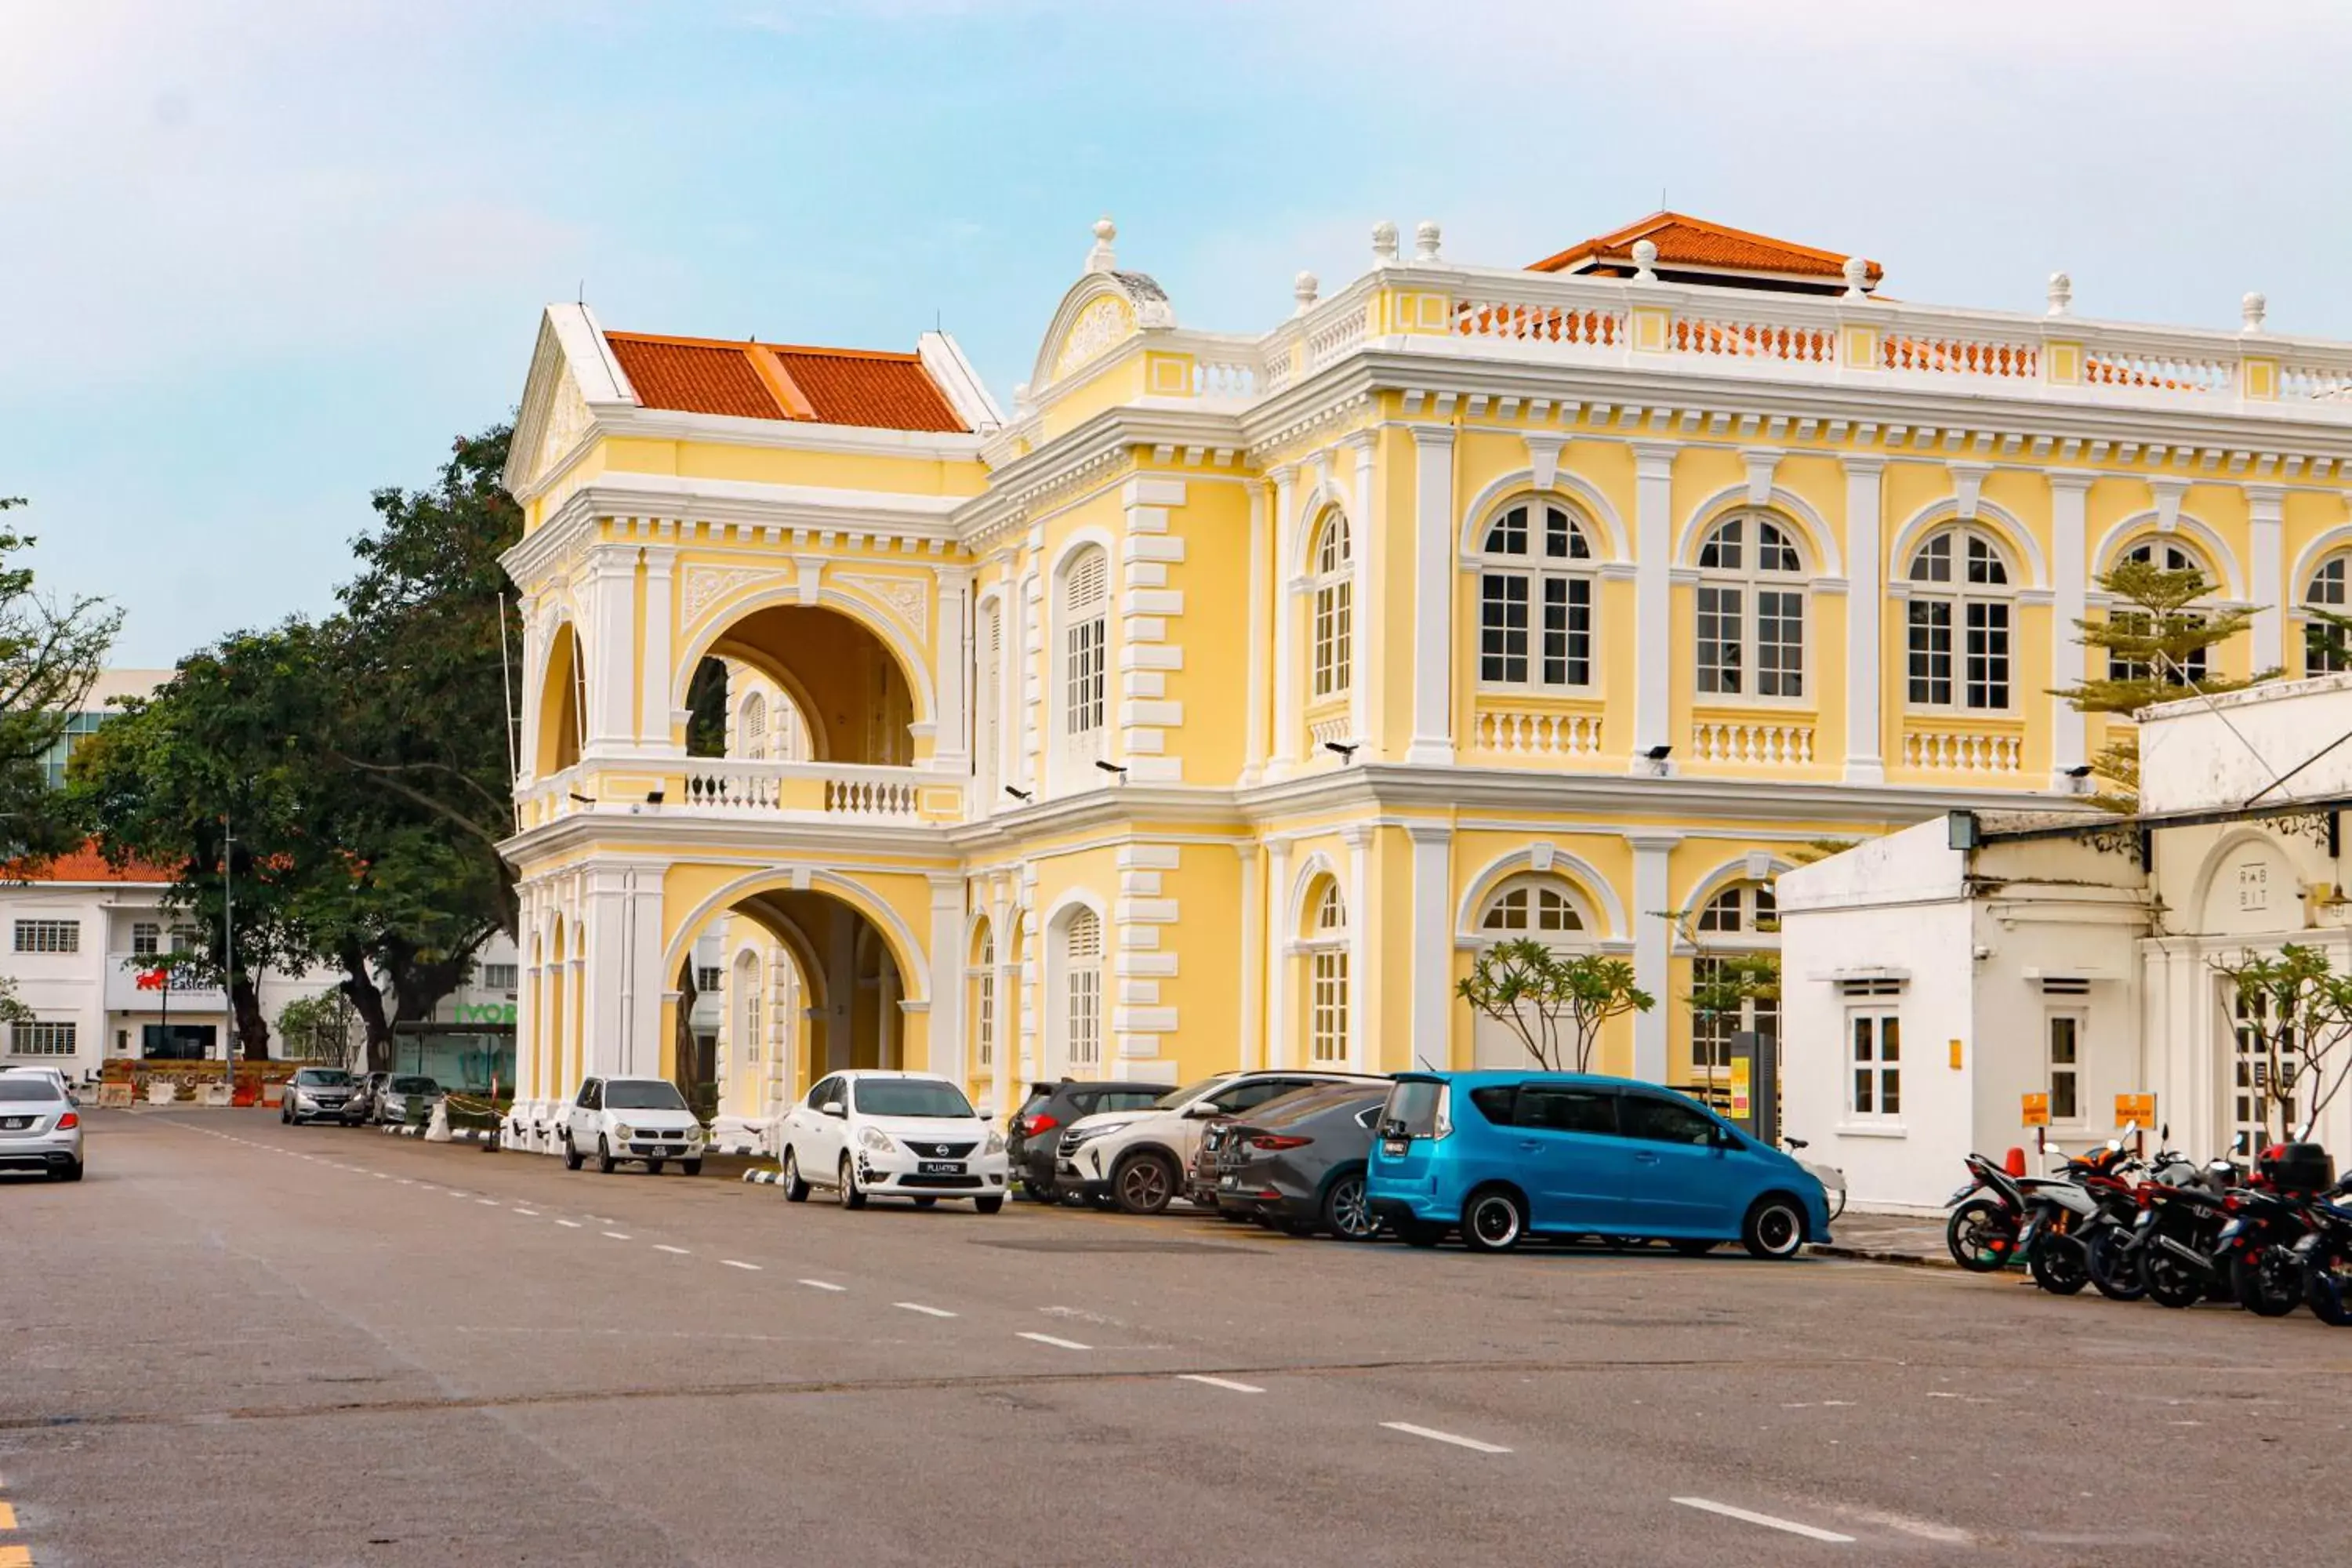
x,y
796,1191
1144,1184
1774,1228
285,1116
1692,1245
653,1167
846,1191
690,1167
1039,1192
604,1161
1347,1213
990,1204
927,1203
1494,1220
66,1172
572,1161
1421,1232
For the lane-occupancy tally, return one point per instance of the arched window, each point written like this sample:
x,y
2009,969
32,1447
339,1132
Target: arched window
x,y
986,702
1751,609
1086,670
2165,555
1742,917
1960,582
1082,989
2324,644
1326,944
1531,906
983,1002
1535,599
751,727
747,977
1335,607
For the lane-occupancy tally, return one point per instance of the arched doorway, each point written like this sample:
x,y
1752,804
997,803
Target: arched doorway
x,y
563,706
1535,906
845,684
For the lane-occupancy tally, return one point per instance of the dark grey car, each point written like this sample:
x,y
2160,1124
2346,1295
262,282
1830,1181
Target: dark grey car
x,y
1035,1130
1297,1162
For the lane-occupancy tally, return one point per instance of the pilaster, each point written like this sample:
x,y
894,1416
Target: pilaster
x,y
1251,1032
1357,838
2266,519
1278,1026
944,1046
1261,613
1146,716
950,743
1865,638
2070,568
608,646
1433,945
1364,665
1433,597
1286,680
1652,948
653,705
1653,469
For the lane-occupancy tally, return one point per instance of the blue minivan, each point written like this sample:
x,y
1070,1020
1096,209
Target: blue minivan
x,y
1501,1156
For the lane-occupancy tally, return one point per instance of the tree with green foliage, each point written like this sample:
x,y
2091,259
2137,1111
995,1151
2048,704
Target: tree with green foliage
x,y
2296,1012
319,1029
1555,1003
50,654
2156,638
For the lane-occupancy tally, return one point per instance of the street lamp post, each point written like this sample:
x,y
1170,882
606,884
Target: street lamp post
x,y
228,962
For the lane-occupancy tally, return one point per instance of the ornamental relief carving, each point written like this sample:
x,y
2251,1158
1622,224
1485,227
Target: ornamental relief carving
x,y
567,421
1100,325
904,597
706,586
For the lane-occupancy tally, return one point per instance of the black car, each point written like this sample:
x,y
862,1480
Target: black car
x,y
1298,1162
1036,1128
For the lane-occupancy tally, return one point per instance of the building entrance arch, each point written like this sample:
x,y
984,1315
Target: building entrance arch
x,y
862,695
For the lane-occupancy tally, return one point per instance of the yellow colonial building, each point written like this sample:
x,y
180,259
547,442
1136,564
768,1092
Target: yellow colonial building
x,y
1217,703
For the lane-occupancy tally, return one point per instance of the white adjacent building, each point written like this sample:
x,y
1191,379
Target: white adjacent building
x,y
1934,978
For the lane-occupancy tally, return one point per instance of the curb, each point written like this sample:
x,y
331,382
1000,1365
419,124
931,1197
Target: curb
x,y
456,1134
1873,1255
764,1178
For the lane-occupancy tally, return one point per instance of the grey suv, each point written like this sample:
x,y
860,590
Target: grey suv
x,y
1035,1130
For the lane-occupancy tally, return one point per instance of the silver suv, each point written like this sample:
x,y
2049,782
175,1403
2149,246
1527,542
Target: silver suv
x,y
39,1127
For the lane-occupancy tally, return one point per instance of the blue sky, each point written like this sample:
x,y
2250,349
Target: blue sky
x,y
259,256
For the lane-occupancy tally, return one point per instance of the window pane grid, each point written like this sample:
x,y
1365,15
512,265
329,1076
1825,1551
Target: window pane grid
x,y
1327,1014
41,1037
48,936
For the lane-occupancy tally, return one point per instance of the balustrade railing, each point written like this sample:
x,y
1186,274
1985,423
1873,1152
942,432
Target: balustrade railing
x,y
1961,356
828,789
1525,321
1534,732
2159,372
1756,743
1963,751
1752,340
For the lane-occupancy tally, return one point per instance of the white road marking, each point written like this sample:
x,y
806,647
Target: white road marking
x,y
736,1263
1436,1437
1766,1519
379,1175
1219,1382
569,1223
527,1213
616,1235
665,1247
493,1203
927,1311
1050,1339
822,1285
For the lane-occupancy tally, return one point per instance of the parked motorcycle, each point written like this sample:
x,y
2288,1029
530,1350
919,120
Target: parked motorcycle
x,y
1987,1216
2063,1214
2268,1221
2178,1235
2326,1254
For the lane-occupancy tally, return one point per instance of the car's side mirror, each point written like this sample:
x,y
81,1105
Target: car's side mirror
x,y
833,1108
1723,1138
1201,1107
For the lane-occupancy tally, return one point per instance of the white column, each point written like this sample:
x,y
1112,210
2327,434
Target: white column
x,y
609,649
1433,596
653,683
1277,956
1261,616
1364,667
529,958
1653,937
1029,682
1433,945
622,987
1360,918
1654,464
2265,584
947,1053
1286,630
2070,567
1251,1032
527,741
1865,604
1007,1023
951,736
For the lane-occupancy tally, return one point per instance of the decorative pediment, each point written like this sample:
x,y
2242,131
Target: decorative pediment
x,y
1108,321
570,379
1104,309
903,596
707,585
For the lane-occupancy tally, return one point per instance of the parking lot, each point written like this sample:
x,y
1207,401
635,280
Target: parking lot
x,y
238,1341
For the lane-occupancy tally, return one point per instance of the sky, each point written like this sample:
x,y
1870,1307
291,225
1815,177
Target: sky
x,y
261,258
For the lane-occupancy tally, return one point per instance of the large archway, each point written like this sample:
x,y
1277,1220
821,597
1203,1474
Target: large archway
x,y
562,711
847,682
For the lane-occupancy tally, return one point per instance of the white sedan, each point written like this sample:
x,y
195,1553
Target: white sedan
x,y
892,1135
617,1118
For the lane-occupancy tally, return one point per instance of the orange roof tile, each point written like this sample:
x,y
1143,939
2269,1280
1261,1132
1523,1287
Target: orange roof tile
x,y
780,380
82,865
1686,241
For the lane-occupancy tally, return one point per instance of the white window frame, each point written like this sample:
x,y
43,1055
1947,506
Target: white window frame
x,y
1514,549
2079,1021
1883,1071
150,933
1081,944
988,703
1331,601
1978,582
48,936
44,1038
2329,586
751,727
1520,900
983,1007
1731,921
1086,651
500,976
2189,558
1325,945
1746,583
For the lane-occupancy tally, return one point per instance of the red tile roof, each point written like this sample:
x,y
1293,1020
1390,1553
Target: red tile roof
x,y
82,865
781,381
1686,241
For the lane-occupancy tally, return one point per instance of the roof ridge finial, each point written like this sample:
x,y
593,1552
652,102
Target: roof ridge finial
x,y
2062,294
1102,258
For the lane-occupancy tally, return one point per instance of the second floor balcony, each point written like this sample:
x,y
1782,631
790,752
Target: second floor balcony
x,y
750,789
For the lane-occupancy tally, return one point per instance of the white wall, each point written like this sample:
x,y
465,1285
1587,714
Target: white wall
x,y
2208,754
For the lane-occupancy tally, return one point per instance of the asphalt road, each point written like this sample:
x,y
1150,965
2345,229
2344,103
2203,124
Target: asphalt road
x,y
242,1344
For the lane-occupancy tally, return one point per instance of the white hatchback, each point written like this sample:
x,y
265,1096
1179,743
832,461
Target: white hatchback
x,y
892,1135
617,1118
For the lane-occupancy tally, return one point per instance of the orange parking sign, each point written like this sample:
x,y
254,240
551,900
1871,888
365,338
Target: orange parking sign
x,y
2037,1109
2140,1108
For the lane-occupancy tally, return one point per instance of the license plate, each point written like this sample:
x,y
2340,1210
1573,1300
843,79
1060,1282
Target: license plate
x,y
1396,1148
14,1122
940,1168
667,1149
